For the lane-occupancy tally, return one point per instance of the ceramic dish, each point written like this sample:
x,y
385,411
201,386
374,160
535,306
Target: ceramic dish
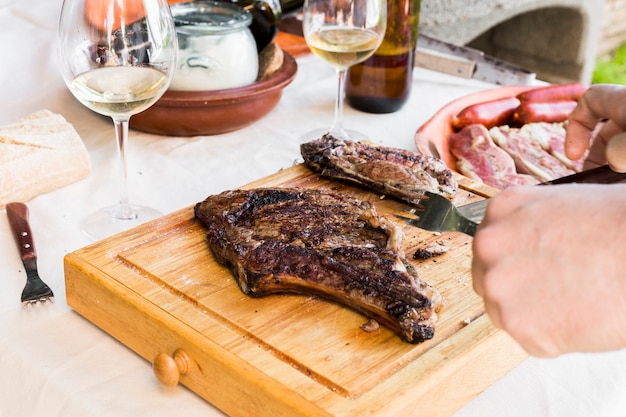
x,y
194,113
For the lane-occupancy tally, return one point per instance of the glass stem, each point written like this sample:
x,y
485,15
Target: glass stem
x,y
124,210
337,129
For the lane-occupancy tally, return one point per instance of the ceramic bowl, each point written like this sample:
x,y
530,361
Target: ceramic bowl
x,y
196,113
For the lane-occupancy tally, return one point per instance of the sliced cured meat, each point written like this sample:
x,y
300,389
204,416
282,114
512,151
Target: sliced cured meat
x,y
292,240
391,171
551,137
530,158
479,158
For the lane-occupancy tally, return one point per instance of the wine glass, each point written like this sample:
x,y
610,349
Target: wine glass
x,y
343,33
117,57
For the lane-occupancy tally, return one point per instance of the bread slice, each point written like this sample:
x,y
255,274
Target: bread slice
x,y
39,153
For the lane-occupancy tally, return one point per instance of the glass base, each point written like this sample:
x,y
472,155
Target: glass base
x,y
353,135
106,222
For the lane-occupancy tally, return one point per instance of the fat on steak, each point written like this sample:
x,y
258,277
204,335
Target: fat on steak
x,y
479,158
294,240
530,158
390,171
551,137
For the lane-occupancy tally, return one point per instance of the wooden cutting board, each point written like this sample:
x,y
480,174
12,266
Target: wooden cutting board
x,y
158,290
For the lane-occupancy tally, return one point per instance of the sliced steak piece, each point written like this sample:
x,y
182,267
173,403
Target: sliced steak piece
x,y
291,240
479,158
551,137
530,158
391,171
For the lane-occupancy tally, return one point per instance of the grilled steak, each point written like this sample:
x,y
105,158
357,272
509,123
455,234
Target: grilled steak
x,y
397,172
291,240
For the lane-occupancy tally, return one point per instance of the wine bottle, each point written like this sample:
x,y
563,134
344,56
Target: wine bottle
x,y
290,6
266,17
382,83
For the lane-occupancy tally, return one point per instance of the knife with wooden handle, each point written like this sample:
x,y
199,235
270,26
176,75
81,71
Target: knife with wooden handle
x,y
600,175
462,61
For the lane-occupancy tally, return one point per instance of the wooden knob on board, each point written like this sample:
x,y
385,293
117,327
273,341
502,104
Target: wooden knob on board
x,y
616,152
168,369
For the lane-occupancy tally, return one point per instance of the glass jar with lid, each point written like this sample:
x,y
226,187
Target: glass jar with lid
x,y
216,49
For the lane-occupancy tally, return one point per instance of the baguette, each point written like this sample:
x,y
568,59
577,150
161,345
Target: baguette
x,y
39,153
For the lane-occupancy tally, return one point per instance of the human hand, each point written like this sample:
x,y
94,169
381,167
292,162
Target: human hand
x,y
603,109
550,264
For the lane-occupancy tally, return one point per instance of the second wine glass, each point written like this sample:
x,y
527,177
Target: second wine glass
x,y
343,33
117,58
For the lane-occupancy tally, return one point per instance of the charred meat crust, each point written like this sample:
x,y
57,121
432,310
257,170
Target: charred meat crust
x,y
391,171
294,240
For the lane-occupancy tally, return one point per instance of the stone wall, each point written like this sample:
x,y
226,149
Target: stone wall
x,y
557,39
613,27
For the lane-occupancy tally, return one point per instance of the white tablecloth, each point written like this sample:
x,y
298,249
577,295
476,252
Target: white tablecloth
x,y
55,363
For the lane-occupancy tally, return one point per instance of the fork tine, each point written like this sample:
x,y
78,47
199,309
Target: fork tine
x,y
436,213
35,289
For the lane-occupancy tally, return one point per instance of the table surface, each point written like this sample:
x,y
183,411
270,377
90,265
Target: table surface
x,y
55,363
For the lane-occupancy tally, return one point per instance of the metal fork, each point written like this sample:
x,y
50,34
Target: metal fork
x,y
35,289
438,214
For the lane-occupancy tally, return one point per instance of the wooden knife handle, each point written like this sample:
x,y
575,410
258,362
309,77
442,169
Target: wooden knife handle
x,y
18,219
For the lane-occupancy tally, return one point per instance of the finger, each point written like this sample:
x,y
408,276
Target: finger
x,y
577,137
597,151
600,102
616,152
502,205
493,311
486,252
478,270
580,125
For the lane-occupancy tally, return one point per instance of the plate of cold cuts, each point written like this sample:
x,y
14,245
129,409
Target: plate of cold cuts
x,y
505,136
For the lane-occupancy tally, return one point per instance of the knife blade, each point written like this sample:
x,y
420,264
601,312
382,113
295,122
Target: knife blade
x,y
600,175
466,62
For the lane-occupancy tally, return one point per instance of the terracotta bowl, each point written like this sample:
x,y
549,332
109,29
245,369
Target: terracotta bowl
x,y
432,137
191,113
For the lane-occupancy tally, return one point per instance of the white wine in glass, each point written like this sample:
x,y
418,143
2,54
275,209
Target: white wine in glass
x,y
343,33
117,57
